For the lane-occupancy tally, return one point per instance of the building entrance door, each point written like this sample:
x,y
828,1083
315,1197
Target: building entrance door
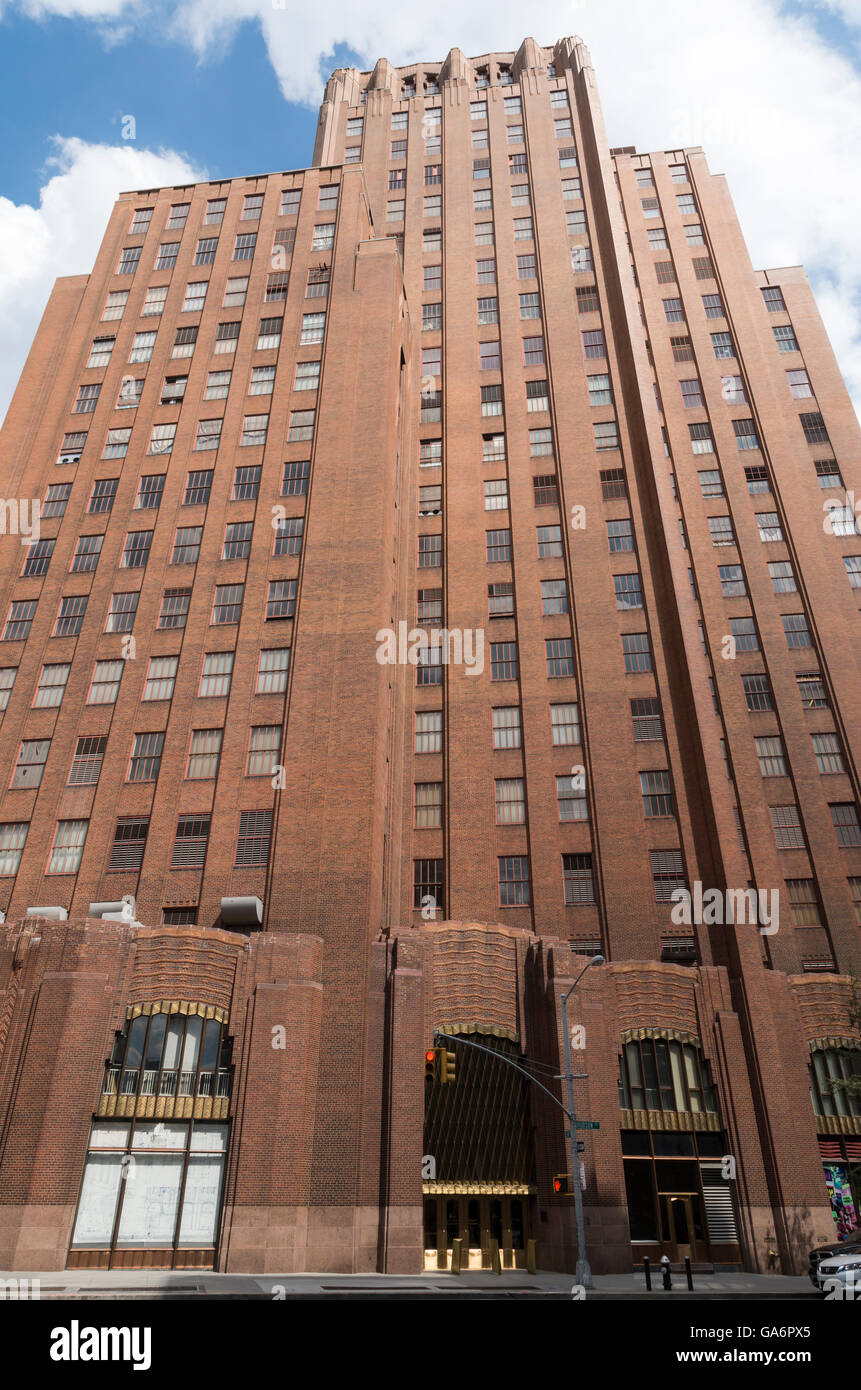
x,y
476,1221
683,1232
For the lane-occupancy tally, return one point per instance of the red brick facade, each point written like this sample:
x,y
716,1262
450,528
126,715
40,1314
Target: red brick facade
x,y
552,413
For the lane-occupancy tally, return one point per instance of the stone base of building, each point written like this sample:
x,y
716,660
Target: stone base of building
x,y
123,1146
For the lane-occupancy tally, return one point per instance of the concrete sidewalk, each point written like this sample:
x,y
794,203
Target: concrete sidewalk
x,y
183,1285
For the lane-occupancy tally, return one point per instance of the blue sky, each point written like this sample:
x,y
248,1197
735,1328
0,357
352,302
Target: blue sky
x,y
218,88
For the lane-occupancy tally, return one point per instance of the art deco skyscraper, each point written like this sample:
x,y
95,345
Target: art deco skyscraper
x,y
476,388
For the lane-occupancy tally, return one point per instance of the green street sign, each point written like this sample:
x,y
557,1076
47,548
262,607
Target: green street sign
x,y
586,1124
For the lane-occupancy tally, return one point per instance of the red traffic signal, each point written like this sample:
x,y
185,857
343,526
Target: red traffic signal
x,y
430,1064
562,1184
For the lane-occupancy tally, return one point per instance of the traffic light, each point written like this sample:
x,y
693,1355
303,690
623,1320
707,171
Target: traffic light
x,y
562,1185
446,1066
430,1063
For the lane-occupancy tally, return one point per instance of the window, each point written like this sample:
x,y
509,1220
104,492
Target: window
x,y
430,453
668,873
568,157
549,542
554,596
711,485
429,669
721,530
852,564
784,336
87,762
136,550
145,758
160,678
307,376
37,557
430,551
713,307
768,524
19,619
540,442
587,300
514,135
533,352
12,840
203,755
514,881
664,270
796,630
254,428
317,284
186,545
812,690
130,838
757,692
129,259
656,793
431,239
799,383
523,229
288,536
227,604
301,425
613,483
620,535
855,889
628,593
788,833
814,428
433,205
577,881
68,847
829,758
782,577
85,403
658,242
32,756
844,816
52,684
429,606
757,479
496,495
559,657
769,751
252,847
281,602
272,670
646,720
234,293
70,616
121,615
167,254
214,211
276,288
7,681
105,684
190,842
599,390
237,540
506,727
174,608
264,750
183,347
745,433
480,169
636,652
744,632
593,343
488,311
545,490
827,474
773,299
100,352
498,546
691,393
503,661
486,272
86,556
491,400
427,805
115,305
702,266
571,799
581,260
429,731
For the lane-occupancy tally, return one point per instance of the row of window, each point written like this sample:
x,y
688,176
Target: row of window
x,y
129,843
510,799
226,608
252,206
236,545
783,581
564,725
515,887
196,291
226,339
504,664
273,664
255,428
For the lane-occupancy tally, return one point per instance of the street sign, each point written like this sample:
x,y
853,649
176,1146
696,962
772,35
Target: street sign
x,y
586,1124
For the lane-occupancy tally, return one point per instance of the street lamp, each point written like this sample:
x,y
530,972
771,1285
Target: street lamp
x,y
583,1273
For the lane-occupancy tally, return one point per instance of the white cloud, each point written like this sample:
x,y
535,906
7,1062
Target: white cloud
x,y
775,106
61,236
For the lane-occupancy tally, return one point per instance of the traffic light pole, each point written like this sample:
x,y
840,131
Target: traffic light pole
x,y
584,1273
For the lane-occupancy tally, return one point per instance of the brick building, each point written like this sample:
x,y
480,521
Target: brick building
x,y
445,555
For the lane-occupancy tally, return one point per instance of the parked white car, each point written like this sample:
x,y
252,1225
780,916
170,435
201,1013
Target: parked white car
x,y
840,1276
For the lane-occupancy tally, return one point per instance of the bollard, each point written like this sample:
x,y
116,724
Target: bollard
x,y
531,1262
688,1272
665,1271
495,1266
456,1250
647,1269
